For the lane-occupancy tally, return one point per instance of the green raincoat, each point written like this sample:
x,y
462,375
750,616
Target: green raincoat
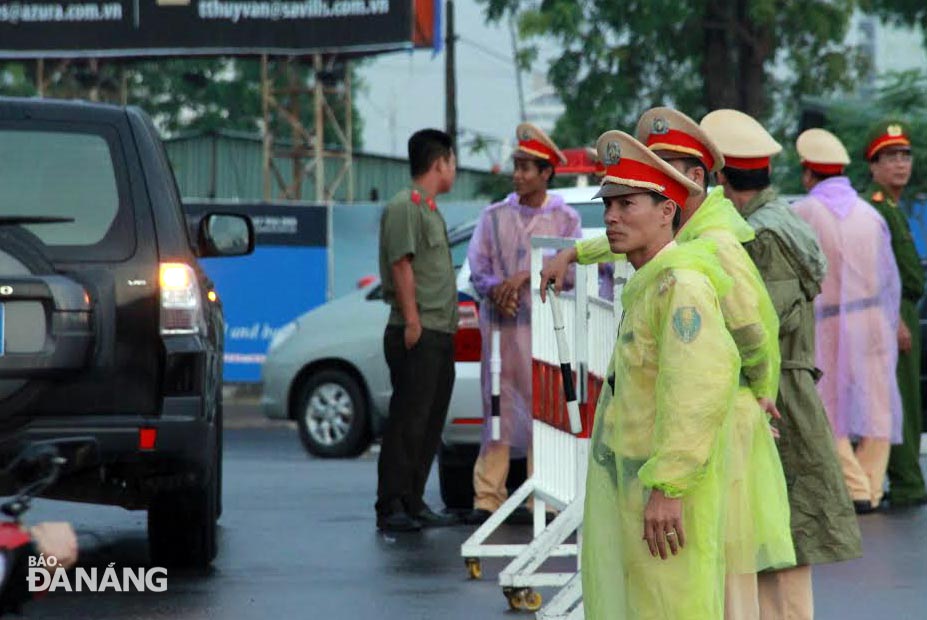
x,y
662,422
904,471
758,533
787,254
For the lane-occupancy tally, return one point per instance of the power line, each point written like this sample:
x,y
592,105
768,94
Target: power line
x,y
488,51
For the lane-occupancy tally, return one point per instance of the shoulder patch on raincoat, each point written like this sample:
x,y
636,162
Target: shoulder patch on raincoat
x,y
687,323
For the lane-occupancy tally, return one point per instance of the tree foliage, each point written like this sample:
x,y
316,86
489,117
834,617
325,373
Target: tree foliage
x,y
900,96
621,57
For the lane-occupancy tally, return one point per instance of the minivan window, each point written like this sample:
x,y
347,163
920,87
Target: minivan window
x,y
59,173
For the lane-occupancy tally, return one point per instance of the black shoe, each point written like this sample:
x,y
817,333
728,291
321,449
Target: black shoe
x,y
429,518
863,507
398,521
477,516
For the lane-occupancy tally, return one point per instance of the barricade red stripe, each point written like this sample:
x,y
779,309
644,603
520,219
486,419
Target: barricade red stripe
x,y
549,405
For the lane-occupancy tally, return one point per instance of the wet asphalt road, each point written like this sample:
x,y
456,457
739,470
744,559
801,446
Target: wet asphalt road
x,y
298,539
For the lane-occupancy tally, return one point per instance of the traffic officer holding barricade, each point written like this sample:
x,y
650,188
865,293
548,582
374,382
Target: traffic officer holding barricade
x,y
661,437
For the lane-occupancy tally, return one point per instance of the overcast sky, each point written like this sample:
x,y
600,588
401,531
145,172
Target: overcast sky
x,y
405,91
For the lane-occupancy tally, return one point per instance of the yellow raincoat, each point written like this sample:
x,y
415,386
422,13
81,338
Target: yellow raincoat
x,y
662,422
758,535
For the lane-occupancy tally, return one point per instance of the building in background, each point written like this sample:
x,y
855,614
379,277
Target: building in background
x,y
891,48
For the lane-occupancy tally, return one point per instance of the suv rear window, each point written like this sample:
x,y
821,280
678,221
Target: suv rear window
x,y
69,174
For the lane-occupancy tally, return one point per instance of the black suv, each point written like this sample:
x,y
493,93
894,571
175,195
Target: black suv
x,y
109,329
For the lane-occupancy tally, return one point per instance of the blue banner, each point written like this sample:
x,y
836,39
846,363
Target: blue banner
x,y
286,276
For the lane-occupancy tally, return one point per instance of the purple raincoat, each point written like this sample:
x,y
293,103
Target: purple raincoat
x,y
856,314
499,249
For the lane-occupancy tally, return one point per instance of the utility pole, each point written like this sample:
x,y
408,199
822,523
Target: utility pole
x,y
450,76
518,83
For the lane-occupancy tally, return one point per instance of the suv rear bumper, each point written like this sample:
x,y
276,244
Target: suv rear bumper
x,y
127,475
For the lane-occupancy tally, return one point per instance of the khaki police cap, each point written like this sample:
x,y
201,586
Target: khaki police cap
x,y
534,143
744,141
632,168
675,135
819,146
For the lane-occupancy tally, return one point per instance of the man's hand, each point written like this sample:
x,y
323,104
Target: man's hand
x,y
57,539
413,334
663,524
904,337
556,270
506,295
769,406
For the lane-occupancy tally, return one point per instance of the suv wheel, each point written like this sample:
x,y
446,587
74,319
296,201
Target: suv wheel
x,y
332,415
182,525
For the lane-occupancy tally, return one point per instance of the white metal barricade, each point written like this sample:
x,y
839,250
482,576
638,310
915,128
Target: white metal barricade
x,y
559,456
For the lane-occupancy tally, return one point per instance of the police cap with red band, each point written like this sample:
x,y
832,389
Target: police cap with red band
x,y
675,135
744,141
822,152
632,168
533,143
887,133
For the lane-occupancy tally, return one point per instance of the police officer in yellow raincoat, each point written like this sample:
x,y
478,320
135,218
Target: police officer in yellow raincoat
x,y
758,535
653,542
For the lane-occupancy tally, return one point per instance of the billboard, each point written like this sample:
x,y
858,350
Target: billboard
x,y
139,28
286,276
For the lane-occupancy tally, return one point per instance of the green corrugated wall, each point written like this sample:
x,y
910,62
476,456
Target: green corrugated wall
x,y
237,172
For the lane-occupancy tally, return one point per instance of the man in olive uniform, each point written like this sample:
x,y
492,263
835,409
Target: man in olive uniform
x,y
787,254
888,151
419,284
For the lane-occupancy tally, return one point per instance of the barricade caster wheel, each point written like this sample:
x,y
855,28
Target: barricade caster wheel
x,y
474,568
532,600
523,599
515,598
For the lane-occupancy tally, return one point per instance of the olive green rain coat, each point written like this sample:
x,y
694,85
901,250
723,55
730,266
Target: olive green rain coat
x,y
904,470
662,422
787,254
758,532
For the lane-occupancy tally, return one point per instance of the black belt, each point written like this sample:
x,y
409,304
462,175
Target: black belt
x,y
858,304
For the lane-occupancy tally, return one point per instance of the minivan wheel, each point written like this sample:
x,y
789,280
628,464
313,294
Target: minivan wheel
x,y
182,526
331,414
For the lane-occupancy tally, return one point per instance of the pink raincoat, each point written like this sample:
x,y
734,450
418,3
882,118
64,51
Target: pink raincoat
x,y
856,314
499,249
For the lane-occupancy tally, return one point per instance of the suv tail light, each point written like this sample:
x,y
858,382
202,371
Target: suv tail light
x,y
181,306
468,343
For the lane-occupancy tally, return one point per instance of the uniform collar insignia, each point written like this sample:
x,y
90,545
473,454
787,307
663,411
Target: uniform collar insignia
x,y
416,198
